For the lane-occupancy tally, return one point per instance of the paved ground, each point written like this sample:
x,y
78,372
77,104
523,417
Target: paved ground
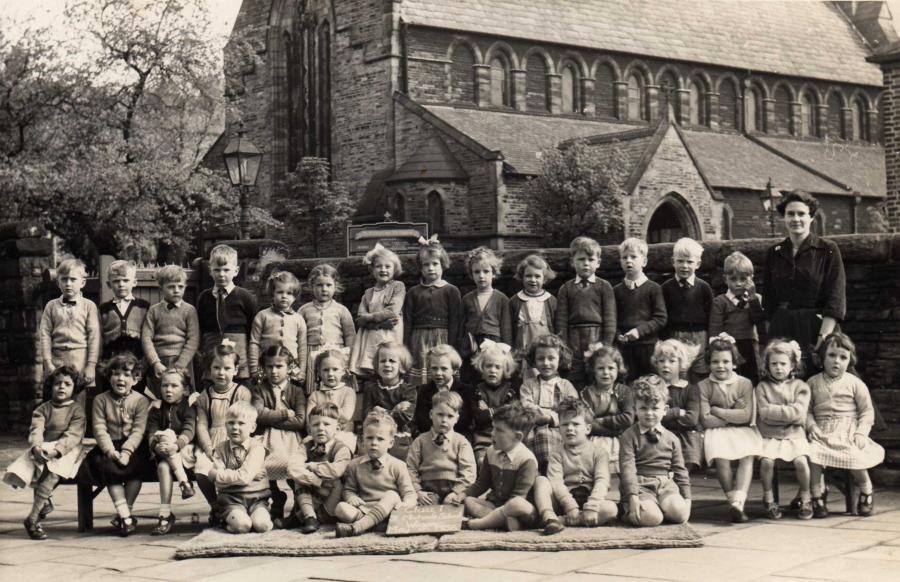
x,y
839,548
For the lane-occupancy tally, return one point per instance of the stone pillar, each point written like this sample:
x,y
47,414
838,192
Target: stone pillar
x,y
890,70
554,92
768,116
482,85
620,91
519,96
651,101
712,102
796,118
821,120
586,95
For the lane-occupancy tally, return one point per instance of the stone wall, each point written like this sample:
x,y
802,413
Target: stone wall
x,y
25,255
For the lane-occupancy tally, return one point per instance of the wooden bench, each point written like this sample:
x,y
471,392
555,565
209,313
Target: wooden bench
x,y
841,479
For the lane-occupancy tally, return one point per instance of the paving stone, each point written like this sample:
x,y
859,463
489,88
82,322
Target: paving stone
x,y
582,577
35,552
846,569
42,571
408,571
563,562
876,553
806,540
189,570
701,564
470,559
283,570
125,560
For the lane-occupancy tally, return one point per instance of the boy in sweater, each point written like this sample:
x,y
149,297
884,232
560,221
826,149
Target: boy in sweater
x,y
586,306
171,332
122,317
441,461
653,481
641,310
226,310
577,478
239,473
688,301
376,483
508,472
70,326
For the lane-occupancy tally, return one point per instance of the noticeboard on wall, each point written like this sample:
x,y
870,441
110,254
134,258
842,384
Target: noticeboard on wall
x,y
400,237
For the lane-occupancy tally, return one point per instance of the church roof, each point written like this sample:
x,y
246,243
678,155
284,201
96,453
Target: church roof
x,y
433,161
803,39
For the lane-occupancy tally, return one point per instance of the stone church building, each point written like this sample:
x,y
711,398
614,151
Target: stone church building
x,y
439,111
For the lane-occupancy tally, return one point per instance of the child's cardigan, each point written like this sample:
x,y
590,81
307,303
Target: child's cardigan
x,y
293,397
63,423
181,418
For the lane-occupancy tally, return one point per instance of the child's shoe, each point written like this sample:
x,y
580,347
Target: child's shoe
x,y
187,490
795,504
279,500
819,507
865,504
553,526
806,510
164,525
310,524
214,519
344,530
127,526
772,510
46,510
738,515
34,529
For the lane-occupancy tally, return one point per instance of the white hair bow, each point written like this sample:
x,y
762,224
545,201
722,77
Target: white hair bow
x,y
489,343
370,256
591,349
725,337
432,240
227,343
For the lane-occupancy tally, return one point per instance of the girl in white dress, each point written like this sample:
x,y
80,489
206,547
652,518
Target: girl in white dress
x,y
328,323
380,316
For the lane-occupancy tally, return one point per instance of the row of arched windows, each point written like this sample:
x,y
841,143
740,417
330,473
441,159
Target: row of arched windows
x,y
434,204
734,107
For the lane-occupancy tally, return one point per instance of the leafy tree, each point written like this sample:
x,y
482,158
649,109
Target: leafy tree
x,y
320,207
578,192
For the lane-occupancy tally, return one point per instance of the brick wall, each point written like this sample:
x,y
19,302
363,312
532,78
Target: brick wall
x,y
25,253
890,67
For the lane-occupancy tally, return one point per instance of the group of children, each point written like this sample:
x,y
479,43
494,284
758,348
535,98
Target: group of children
x,y
521,409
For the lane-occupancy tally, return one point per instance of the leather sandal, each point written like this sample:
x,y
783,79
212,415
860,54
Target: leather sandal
x,y
164,525
34,529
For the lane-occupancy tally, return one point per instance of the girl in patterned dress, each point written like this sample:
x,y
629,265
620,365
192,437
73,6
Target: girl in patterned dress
x,y
328,323
532,310
331,372
839,421
380,316
391,392
497,366
672,360
727,415
432,314
610,402
782,402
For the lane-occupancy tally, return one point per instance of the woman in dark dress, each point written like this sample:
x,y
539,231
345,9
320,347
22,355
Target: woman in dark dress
x,y
805,288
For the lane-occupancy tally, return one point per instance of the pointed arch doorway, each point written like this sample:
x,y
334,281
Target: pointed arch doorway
x,y
672,219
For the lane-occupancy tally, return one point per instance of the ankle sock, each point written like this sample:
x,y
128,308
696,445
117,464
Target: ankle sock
x,y
165,509
768,497
740,498
122,509
805,496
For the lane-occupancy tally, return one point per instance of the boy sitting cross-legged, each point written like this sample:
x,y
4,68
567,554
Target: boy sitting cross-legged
x,y
653,481
317,478
577,478
441,462
508,471
239,473
376,483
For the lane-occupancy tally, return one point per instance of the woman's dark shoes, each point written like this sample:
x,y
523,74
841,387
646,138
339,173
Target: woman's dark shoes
x,y
34,529
164,525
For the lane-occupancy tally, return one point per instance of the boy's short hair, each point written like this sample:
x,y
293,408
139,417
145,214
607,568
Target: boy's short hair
x,y
380,252
64,370
447,398
535,262
326,409
516,416
506,354
403,355
671,348
185,378
486,256
737,263
223,255
634,245
433,249
285,278
651,389
127,362
325,270
244,410
687,247
584,244
170,274
445,351
575,407
380,417
72,267
122,268
549,340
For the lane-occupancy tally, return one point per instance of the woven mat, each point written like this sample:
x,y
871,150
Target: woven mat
x,y
574,538
215,543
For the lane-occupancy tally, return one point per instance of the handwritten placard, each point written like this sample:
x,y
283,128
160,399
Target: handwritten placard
x,y
426,519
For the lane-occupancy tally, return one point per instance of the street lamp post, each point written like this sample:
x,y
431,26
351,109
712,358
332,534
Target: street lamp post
x,y
770,197
242,160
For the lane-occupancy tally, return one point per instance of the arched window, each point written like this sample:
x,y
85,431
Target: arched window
x,y
605,91
807,115
858,117
462,75
636,109
698,104
570,90
782,110
500,89
669,101
753,111
398,207
308,69
536,83
728,106
435,212
836,116
879,131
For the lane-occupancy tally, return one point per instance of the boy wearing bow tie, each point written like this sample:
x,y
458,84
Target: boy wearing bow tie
x,y
441,461
737,313
70,326
171,332
317,477
688,301
653,481
376,483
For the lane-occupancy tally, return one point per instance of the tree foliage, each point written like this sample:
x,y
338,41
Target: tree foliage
x,y
101,136
319,206
578,192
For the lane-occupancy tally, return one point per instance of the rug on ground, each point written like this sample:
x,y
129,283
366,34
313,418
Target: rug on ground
x,y
215,543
